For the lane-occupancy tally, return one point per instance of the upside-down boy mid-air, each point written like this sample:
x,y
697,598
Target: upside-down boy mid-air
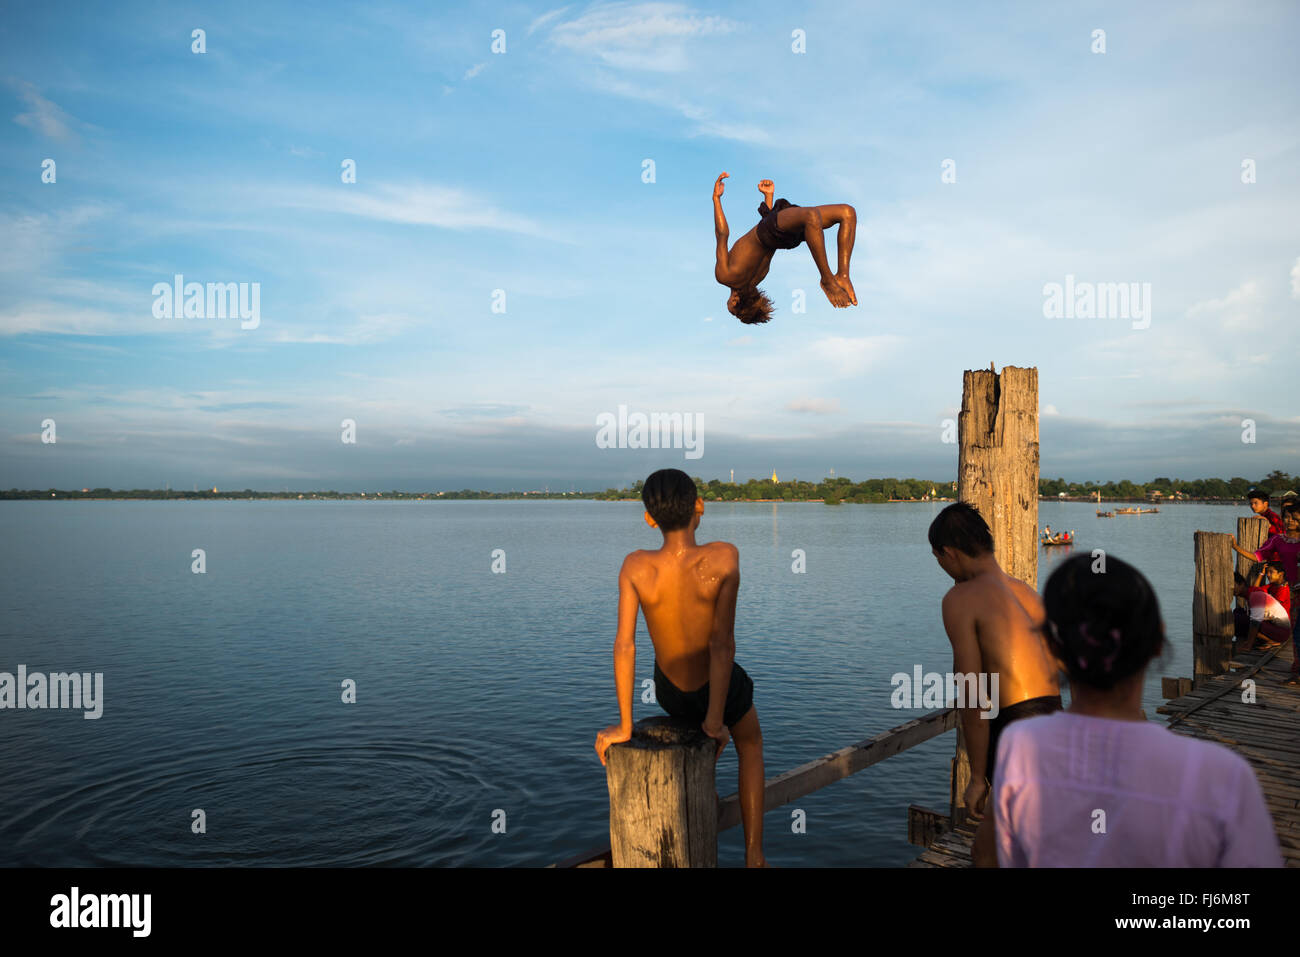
x,y
783,226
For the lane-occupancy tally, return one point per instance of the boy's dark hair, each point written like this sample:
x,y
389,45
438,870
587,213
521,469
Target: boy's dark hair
x,y
1275,567
1104,626
669,496
963,527
753,306
1259,493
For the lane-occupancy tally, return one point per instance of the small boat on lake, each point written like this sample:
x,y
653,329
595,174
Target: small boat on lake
x,y
1051,541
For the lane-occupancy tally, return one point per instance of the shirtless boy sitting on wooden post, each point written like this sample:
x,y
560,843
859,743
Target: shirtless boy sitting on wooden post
x,y
688,595
995,624
783,226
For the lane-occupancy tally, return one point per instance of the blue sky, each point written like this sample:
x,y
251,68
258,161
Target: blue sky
x,y
522,171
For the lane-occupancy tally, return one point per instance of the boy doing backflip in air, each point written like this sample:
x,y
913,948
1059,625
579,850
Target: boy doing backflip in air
x,y
783,226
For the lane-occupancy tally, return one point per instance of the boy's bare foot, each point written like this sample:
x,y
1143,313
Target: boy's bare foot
x,y
835,293
843,280
759,862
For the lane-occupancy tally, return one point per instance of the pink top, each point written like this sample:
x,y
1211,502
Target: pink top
x,y
1168,800
1281,549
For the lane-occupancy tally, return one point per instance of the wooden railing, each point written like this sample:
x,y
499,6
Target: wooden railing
x,y
815,775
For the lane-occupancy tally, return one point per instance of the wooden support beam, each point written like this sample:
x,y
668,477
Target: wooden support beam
x,y
794,784
997,462
925,826
997,472
663,809
1212,605
830,768
1252,531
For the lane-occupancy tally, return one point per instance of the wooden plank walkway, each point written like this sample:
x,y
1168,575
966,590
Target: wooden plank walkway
x,y
1265,733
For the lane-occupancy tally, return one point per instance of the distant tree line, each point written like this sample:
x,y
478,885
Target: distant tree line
x,y
833,491
1275,482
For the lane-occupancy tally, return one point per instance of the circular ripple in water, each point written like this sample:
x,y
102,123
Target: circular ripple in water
x,y
382,802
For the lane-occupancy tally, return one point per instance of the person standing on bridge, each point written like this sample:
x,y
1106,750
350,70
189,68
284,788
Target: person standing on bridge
x,y
1098,785
994,623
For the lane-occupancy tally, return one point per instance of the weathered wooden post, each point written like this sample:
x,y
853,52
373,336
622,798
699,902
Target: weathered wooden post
x,y
663,808
1212,605
1251,533
997,472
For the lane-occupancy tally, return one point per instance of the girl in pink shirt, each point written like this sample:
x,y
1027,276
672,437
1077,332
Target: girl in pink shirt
x,y
1097,785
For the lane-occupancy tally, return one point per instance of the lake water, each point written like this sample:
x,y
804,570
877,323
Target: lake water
x,y
477,692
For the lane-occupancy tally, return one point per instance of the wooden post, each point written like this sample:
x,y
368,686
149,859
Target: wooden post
x,y
997,472
1251,533
997,462
1212,605
663,809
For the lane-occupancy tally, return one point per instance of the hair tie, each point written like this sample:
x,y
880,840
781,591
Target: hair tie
x,y
1107,659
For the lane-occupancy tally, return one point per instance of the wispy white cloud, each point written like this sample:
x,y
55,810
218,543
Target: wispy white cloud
x,y
847,355
419,204
638,36
815,406
544,19
44,117
649,38
475,70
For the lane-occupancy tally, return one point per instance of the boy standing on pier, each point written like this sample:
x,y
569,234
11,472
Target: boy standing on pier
x,y
1258,500
994,623
687,593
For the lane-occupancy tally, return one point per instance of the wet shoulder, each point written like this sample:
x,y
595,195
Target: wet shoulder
x,y
714,562
1029,599
719,557
639,565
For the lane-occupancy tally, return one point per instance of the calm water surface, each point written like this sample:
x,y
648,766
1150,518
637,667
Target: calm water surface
x,y
476,692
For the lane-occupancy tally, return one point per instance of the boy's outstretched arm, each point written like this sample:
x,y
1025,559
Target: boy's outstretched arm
x,y
722,650
721,271
966,659
624,664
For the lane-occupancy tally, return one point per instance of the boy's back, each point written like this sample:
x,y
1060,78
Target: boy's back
x,y
687,593
1007,616
679,591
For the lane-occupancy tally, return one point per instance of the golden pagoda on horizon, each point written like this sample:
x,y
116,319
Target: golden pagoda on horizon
x,y
775,480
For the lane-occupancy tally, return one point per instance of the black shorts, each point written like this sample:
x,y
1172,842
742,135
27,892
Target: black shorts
x,y
1029,708
770,236
694,705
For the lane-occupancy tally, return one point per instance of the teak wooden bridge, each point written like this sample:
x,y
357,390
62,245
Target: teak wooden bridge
x,y
664,811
